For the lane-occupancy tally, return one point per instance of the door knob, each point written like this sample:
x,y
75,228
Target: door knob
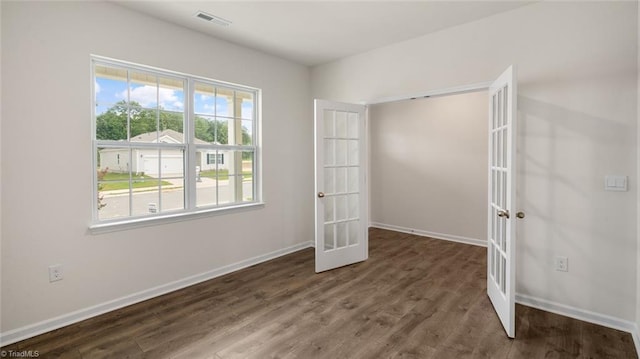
x,y
503,213
520,215
320,194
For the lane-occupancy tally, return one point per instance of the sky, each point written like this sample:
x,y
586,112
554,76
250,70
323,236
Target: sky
x,y
109,91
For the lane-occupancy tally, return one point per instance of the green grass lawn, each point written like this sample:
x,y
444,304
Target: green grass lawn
x,y
123,182
222,174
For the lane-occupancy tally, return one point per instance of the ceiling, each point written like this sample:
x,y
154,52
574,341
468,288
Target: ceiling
x,y
317,32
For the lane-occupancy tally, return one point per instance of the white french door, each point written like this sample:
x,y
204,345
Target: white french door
x,y
341,190
501,266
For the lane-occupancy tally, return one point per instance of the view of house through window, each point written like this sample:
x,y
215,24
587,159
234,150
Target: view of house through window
x,y
167,143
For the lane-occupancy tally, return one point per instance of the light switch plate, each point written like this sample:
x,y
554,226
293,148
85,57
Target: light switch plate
x,y
615,183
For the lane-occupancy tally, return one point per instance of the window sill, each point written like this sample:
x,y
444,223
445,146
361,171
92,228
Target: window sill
x,y
125,224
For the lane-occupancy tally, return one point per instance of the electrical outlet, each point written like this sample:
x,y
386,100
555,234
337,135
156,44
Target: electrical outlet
x,y
55,272
562,264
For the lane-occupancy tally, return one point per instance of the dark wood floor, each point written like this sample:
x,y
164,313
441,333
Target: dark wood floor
x,y
414,298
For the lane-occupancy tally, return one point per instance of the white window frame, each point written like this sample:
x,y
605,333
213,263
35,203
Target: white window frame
x,y
190,176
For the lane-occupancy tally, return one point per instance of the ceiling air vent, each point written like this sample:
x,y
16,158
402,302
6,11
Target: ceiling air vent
x,y
212,18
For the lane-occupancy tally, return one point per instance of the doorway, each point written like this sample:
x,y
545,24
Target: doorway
x,y
429,166
501,187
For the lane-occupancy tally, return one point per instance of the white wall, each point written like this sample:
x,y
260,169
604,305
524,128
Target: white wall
x,y
577,112
47,197
429,165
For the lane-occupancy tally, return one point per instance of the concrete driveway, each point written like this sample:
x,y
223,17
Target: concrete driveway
x,y
171,198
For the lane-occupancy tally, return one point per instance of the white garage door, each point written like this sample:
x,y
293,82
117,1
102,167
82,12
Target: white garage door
x,y
171,164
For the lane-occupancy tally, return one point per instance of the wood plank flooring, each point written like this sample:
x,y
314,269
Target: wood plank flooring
x,y
414,298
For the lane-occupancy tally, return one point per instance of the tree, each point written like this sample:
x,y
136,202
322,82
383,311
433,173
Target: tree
x,y
212,130
112,124
204,130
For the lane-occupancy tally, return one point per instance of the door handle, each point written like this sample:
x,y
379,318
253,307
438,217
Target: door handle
x,y
320,194
503,213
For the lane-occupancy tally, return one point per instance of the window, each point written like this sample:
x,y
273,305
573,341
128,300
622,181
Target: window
x,y
166,143
215,158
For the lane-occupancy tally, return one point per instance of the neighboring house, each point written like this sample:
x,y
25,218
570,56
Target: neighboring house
x,y
145,160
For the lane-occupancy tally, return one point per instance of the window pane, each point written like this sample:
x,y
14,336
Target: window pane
x,y
205,128
247,132
505,139
224,103
204,99
329,238
206,191
329,180
341,208
329,123
172,194
114,160
100,109
341,152
110,86
236,176
341,124
353,153
503,197
171,163
353,179
207,163
246,100
354,231
145,202
341,235
171,125
227,181
211,130
503,275
144,125
113,203
328,209
494,151
498,272
499,149
171,94
143,90
111,122
352,125
247,175
354,206
226,191
235,131
329,152
222,132
341,180
113,183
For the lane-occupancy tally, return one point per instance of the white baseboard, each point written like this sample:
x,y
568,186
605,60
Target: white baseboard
x,y
581,314
32,330
419,232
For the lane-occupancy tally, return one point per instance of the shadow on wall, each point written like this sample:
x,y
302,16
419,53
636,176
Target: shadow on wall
x,y
563,156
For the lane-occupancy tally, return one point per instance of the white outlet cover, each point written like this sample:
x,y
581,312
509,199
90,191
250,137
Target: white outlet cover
x,y
55,273
562,264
